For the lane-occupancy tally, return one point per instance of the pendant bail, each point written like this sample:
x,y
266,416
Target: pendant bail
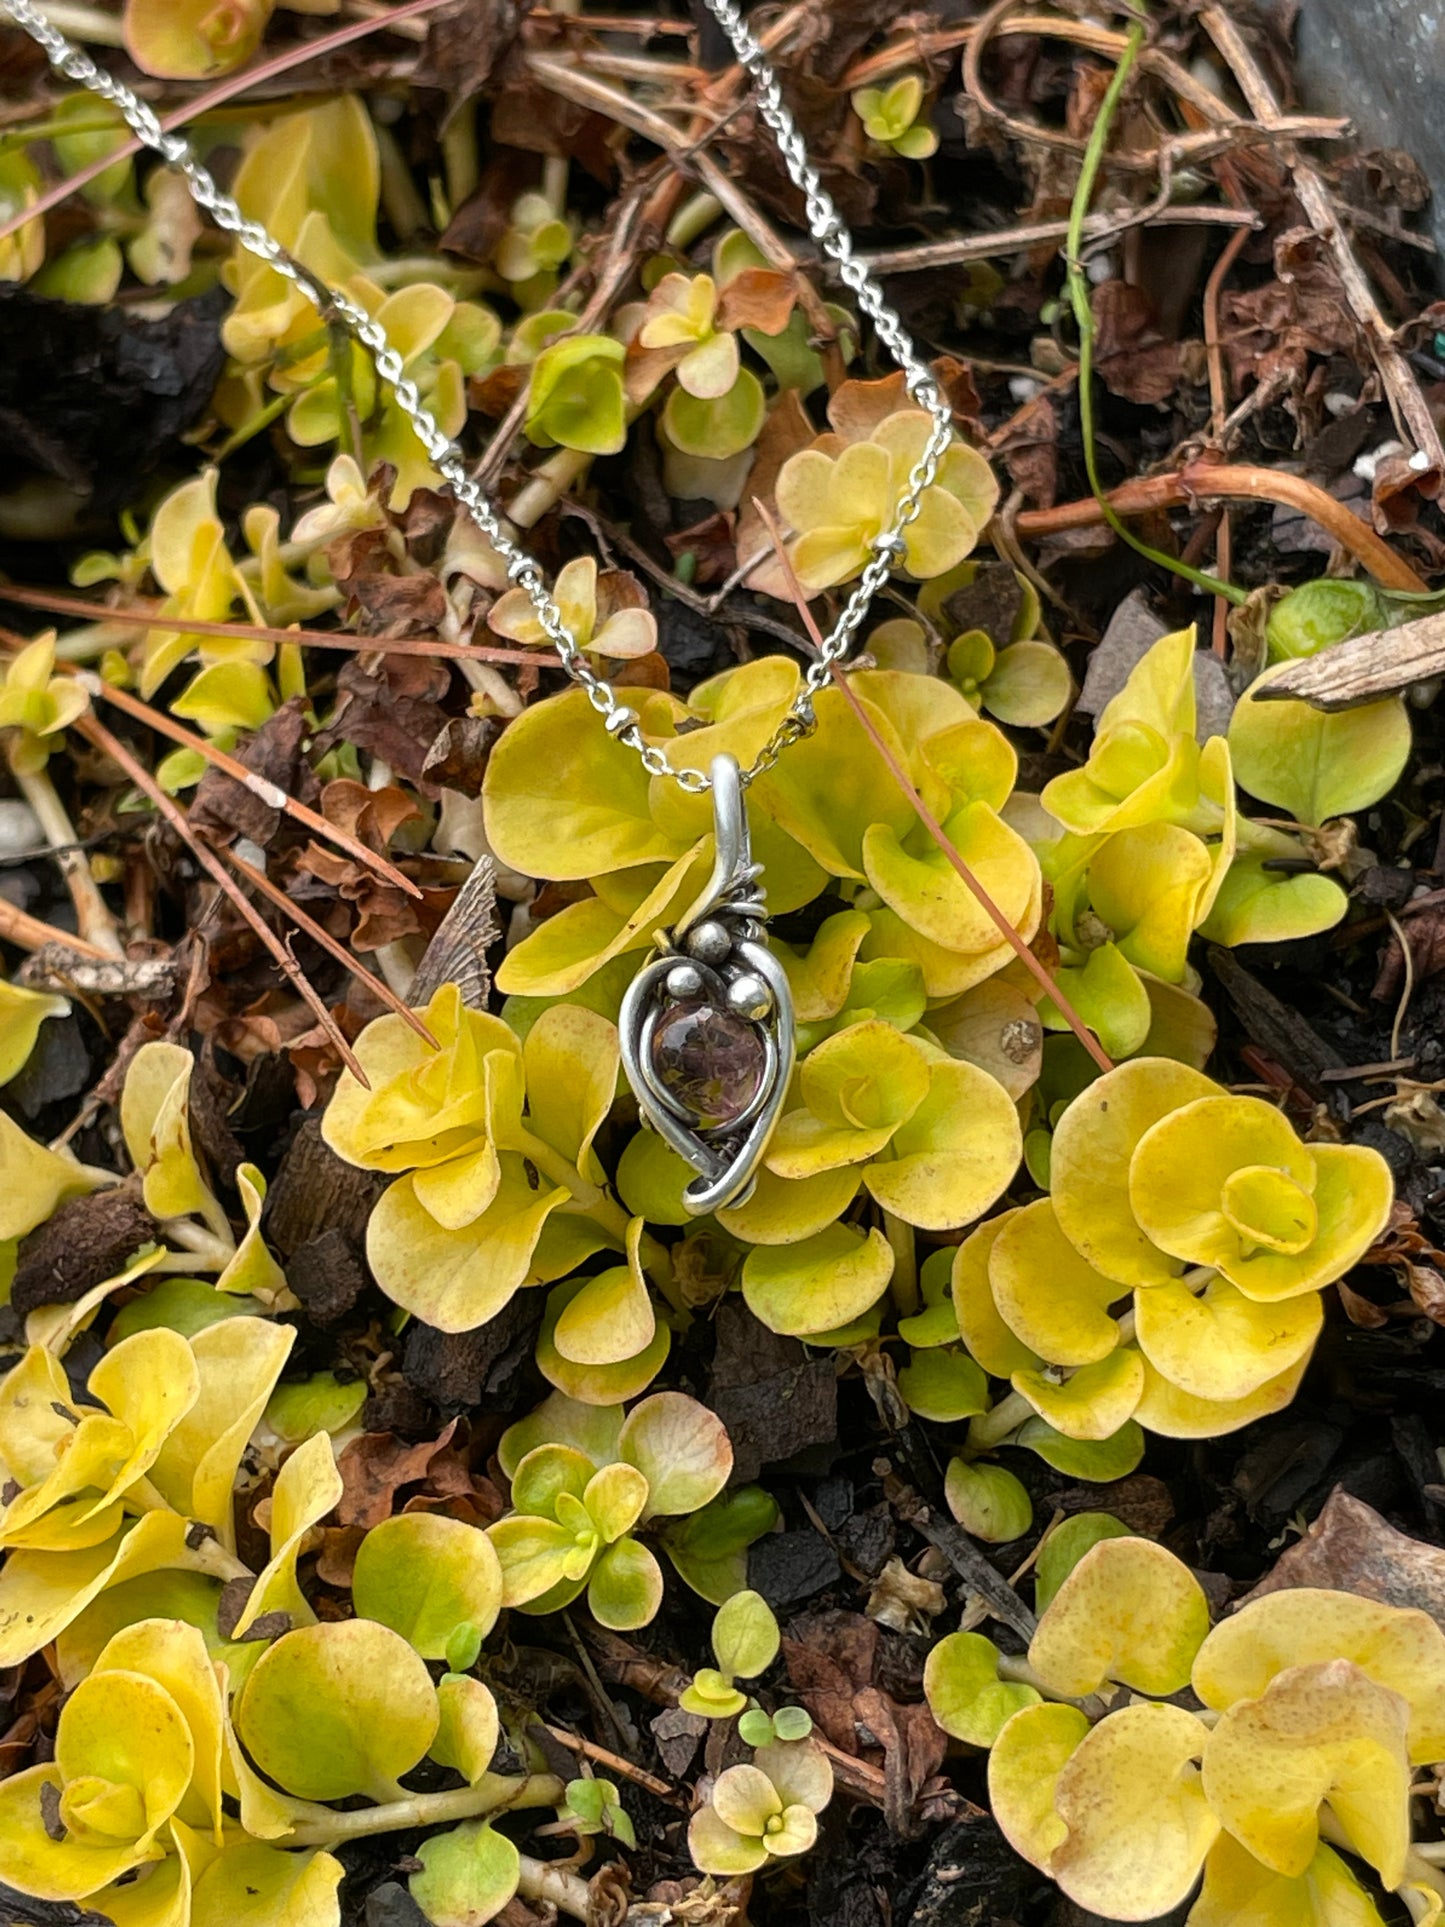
x,y
707,1024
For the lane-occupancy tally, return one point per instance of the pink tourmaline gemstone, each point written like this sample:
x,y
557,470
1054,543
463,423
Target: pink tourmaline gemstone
x,y
711,1061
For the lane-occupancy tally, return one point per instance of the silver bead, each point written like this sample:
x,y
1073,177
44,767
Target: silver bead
x,y
619,719
684,980
709,942
750,997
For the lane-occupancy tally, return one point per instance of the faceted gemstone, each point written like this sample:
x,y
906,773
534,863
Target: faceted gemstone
x,y
710,1060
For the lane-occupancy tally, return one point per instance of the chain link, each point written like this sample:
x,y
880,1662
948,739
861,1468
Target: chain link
x,y
827,228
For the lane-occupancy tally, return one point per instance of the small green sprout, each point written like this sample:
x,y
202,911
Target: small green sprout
x,y
593,1806
534,246
988,1501
745,1641
575,398
758,1729
1319,614
891,117
764,1811
576,1505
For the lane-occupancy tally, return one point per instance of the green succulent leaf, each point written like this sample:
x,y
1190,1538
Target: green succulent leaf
x,y
424,1575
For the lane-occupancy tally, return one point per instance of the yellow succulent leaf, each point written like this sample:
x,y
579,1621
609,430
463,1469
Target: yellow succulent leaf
x,y
457,1280
1220,1344
173,1655
424,1105
1138,1823
239,1362
22,1012
857,1088
1093,1144
1108,994
1396,1646
1159,691
610,1319
930,896
1226,1182
1092,1402
1053,1303
338,1708
193,39
1173,1413
149,1382
33,1180
605,1385
561,803
956,1154
562,953
307,1487
1134,775
41,1593
123,1731
470,1727
1256,905
781,1211
55,1870
572,1058
1148,886
948,973
1318,1732
819,976
1130,1612
253,1272
323,158
1240,1891
155,1121
833,787
1316,763
973,757
1024,1766
253,1885
819,1283
31,1429
988,1339
162,1896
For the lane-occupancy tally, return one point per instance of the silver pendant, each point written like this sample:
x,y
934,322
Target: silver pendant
x,y
707,1023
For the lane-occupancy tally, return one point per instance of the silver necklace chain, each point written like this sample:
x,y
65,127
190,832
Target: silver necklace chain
x,y
827,228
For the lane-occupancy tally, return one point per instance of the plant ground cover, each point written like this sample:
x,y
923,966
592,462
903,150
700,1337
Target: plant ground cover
x,y
1025,1506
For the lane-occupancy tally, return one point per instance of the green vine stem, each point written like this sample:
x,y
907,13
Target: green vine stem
x,y
1078,291
493,1793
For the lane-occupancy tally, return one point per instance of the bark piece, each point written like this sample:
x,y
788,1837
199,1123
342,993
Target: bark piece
x,y
87,1241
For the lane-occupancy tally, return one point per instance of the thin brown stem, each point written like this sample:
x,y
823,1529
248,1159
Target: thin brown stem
x,y
1235,482
141,616
318,933
95,732
270,793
